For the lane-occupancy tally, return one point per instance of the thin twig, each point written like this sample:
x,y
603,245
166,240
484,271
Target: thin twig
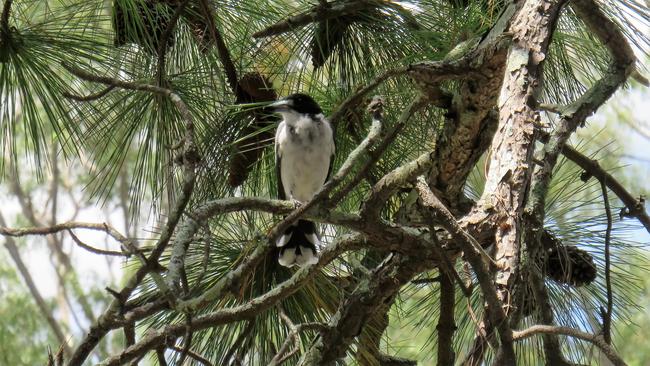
x,y
381,146
422,281
553,108
67,226
292,337
633,205
193,355
182,107
607,315
129,334
241,337
447,265
96,250
89,97
187,339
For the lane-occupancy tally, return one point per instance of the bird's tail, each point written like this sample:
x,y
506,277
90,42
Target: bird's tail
x,y
298,244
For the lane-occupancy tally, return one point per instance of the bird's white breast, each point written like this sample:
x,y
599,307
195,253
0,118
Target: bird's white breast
x,y
305,147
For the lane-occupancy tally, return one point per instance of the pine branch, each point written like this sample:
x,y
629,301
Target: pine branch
x,y
503,198
245,311
149,264
317,13
574,115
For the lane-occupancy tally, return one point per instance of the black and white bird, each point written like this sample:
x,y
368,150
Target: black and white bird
x,y
304,152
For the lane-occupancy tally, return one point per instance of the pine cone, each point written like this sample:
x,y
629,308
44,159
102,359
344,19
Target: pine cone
x,y
254,87
571,265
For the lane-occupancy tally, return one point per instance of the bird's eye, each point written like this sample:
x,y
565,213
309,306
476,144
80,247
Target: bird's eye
x,y
292,130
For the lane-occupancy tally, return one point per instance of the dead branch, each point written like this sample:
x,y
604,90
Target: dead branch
x,y
222,49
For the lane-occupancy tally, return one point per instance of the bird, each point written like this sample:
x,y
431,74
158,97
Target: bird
x,y
304,153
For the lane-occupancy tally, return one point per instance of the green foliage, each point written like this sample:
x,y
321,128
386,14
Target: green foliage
x,y
24,336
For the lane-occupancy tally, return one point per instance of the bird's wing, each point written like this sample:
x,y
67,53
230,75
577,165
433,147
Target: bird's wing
x,y
332,154
329,171
278,162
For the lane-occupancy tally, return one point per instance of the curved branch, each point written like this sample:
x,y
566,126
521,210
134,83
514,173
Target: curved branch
x,y
89,97
557,330
633,205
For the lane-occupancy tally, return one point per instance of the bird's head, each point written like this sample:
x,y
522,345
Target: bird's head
x,y
296,103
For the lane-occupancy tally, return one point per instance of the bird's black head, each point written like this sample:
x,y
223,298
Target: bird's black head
x,y
300,103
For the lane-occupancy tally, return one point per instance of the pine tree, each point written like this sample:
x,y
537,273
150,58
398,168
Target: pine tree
x,y
459,205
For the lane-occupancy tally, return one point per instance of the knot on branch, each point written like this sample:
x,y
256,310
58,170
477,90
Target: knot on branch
x,y
639,207
376,107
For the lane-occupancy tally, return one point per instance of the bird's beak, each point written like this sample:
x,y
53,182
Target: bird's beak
x,y
281,105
